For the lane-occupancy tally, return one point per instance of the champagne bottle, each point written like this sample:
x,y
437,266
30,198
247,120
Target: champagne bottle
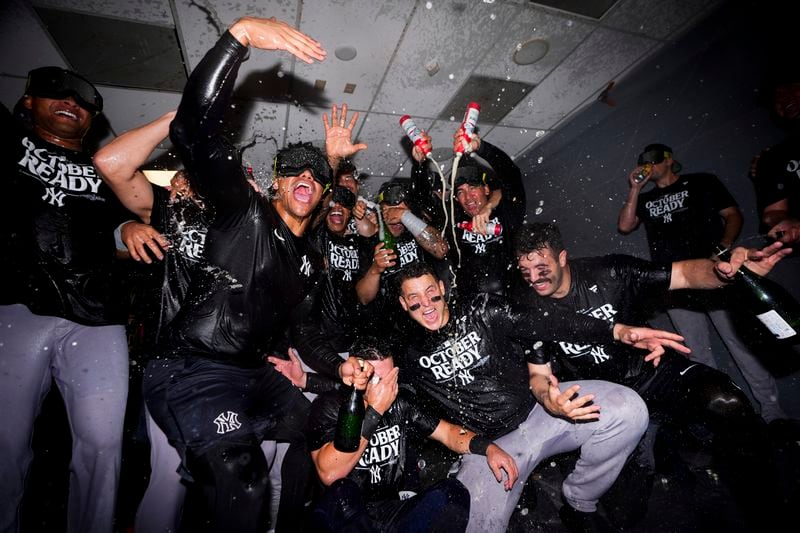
x,y
386,235
777,310
348,426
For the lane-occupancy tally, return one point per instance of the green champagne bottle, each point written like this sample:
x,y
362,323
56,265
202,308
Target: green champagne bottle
x,y
777,310
386,236
351,416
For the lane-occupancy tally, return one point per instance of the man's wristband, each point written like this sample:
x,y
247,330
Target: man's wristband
x,y
478,444
413,223
370,424
118,237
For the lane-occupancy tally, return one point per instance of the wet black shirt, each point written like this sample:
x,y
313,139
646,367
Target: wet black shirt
x,y
258,270
607,288
184,223
778,175
380,468
470,372
337,309
58,221
682,220
487,261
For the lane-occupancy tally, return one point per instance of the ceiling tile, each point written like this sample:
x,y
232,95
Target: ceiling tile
x,y
655,18
452,33
386,145
371,28
562,32
513,140
601,58
21,31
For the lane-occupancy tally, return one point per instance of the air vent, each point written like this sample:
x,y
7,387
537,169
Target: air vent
x,y
118,52
497,98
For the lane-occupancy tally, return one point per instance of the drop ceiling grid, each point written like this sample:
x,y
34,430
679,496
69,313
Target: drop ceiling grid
x,y
372,28
657,19
562,33
452,38
585,72
384,137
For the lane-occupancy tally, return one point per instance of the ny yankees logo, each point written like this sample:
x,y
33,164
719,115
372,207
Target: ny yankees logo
x,y
465,376
305,268
480,248
54,197
668,217
593,288
348,275
227,422
375,474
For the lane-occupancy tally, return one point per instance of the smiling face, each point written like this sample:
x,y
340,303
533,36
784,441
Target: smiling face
x,y
337,218
296,197
348,181
545,271
61,118
472,198
423,299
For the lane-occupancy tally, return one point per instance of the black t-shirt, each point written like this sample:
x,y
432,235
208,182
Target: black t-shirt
x,y
380,468
778,175
607,288
470,371
337,309
487,261
185,224
682,220
58,219
258,270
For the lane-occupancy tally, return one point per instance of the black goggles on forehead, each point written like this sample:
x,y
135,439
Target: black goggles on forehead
x,y
653,157
343,197
56,83
292,161
414,307
392,195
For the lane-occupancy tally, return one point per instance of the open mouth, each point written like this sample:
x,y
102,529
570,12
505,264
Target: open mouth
x,y
303,193
336,216
540,284
66,113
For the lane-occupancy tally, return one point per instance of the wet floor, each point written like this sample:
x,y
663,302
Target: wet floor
x,y
687,494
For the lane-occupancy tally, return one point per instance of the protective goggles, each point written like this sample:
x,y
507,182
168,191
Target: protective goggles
x,y
653,157
56,83
392,194
295,159
343,197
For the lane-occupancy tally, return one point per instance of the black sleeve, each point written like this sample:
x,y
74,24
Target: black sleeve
x,y
541,352
639,276
309,340
543,321
720,196
317,383
510,177
423,422
213,163
321,425
422,185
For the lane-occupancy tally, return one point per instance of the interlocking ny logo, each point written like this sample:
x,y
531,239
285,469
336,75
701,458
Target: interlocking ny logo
x,y
54,197
305,268
227,422
375,474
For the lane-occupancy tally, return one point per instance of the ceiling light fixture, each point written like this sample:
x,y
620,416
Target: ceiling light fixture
x,y
530,51
346,53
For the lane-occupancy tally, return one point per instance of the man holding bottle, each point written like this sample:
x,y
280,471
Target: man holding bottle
x,y
463,365
363,485
677,390
686,216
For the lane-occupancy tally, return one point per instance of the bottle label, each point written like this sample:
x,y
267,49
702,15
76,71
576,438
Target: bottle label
x,y
776,324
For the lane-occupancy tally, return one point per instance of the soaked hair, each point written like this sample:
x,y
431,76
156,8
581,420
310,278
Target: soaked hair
x,y
413,271
346,167
536,236
371,348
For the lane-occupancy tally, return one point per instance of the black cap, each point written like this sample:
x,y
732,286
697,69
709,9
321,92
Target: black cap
x,y
56,82
346,167
393,192
656,153
471,175
295,158
344,197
